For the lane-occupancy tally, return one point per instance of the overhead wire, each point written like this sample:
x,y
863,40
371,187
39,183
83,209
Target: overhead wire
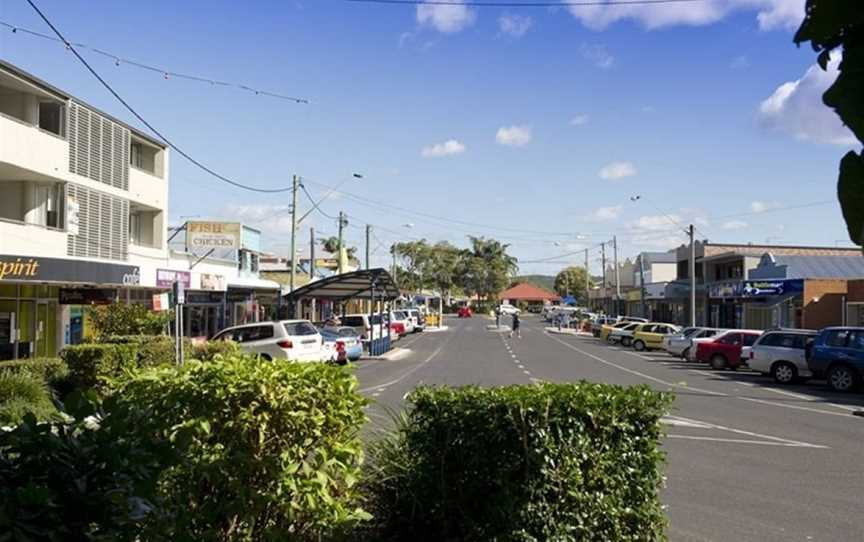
x,y
164,72
138,116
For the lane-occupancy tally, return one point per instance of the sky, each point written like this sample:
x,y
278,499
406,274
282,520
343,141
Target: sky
x,y
551,129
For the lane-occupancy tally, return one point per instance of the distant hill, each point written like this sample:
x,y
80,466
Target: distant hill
x,y
544,281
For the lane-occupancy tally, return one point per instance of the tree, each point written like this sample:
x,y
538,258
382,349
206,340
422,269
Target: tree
x,y
485,269
413,256
331,244
571,281
829,25
440,269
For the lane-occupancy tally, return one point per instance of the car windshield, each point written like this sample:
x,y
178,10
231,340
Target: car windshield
x,y
347,332
295,329
353,321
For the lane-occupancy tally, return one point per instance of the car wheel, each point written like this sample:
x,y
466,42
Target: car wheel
x,y
685,355
639,345
784,372
266,357
610,339
626,341
842,378
718,362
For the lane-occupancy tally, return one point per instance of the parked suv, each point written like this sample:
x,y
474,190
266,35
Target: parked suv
x,y
837,355
297,340
728,349
781,354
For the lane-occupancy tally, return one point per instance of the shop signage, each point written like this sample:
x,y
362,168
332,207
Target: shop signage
x,y
204,298
725,289
161,302
212,235
236,295
213,282
165,278
23,268
87,296
766,288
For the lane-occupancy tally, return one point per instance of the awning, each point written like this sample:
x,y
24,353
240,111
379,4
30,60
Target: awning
x,y
349,285
252,283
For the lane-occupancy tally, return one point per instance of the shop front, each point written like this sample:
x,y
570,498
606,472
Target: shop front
x,y
42,301
756,304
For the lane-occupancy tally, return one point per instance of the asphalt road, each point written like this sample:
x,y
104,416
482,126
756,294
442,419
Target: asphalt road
x,y
747,460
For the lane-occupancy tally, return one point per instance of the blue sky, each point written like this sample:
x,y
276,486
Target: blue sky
x,y
526,122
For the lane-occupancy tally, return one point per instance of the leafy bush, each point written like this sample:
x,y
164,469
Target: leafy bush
x,y
22,393
119,319
560,462
208,351
271,449
68,480
152,351
95,365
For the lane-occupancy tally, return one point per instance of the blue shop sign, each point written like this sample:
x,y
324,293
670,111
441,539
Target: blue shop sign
x,y
768,288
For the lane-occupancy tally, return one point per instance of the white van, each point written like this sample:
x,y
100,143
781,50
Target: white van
x,y
297,340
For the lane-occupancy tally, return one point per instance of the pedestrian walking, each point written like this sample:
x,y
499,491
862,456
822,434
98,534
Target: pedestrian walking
x,y
565,321
497,317
515,326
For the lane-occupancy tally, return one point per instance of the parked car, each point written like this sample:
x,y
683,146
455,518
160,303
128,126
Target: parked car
x,y
297,340
781,354
349,338
650,336
402,317
547,311
464,312
605,330
599,321
417,318
624,334
632,319
729,349
506,308
837,355
366,327
681,344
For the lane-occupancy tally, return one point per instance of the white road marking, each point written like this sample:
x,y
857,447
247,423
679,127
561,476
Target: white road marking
x,y
527,373
412,370
745,441
812,399
794,407
707,425
376,394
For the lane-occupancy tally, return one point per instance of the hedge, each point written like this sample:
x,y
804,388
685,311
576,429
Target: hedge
x,y
561,462
96,365
270,450
22,393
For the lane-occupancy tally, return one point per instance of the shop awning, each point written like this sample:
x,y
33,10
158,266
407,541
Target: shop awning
x,y
349,285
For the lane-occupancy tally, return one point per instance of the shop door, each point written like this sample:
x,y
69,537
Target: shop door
x,y
8,323
26,329
46,329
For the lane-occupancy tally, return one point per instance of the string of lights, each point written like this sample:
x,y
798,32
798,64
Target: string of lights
x,y
166,73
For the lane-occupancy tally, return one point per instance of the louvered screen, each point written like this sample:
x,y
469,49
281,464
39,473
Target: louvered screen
x,y
103,230
98,147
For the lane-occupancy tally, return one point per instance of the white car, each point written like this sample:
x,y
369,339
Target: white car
x,y
403,317
296,340
508,309
417,318
781,354
680,345
623,335
368,326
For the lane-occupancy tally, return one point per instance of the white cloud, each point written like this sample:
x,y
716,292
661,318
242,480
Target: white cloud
x,y
796,108
579,120
272,220
735,225
656,231
617,170
604,214
446,18
513,136
771,14
448,148
598,55
740,62
762,206
515,25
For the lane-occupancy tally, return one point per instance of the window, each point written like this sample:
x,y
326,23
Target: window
x,y
802,340
837,338
54,206
731,339
300,329
51,117
256,333
135,228
354,321
750,339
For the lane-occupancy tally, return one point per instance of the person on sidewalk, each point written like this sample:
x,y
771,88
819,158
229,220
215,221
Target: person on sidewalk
x,y
515,328
565,321
497,317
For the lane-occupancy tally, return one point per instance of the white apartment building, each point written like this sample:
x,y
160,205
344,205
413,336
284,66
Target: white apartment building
x,y
83,220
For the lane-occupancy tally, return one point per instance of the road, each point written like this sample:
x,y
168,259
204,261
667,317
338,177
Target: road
x,y
746,460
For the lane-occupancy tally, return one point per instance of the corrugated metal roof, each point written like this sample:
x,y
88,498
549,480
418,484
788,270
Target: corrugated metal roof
x,y
819,267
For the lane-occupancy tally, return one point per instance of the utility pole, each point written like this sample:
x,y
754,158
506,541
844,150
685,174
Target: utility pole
x,y
587,282
642,285
294,185
617,274
603,258
312,266
368,233
339,255
692,278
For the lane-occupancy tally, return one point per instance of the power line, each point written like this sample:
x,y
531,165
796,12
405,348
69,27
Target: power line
x,y
164,72
144,121
494,4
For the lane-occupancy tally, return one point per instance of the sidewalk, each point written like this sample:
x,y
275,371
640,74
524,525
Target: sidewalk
x,y
568,331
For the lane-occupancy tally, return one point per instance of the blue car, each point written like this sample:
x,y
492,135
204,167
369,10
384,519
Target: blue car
x,y
349,338
837,355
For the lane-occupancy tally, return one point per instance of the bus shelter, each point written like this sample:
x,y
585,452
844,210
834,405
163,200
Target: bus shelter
x,y
372,290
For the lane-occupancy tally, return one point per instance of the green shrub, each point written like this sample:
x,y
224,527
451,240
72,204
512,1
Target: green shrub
x,y
96,365
271,450
119,319
561,462
208,351
53,371
21,393
66,480
152,350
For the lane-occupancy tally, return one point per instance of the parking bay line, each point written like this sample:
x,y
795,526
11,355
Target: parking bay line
x,y
689,388
775,441
410,371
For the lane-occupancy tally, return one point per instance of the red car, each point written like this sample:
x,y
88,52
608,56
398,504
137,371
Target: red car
x,y
727,350
398,328
464,312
